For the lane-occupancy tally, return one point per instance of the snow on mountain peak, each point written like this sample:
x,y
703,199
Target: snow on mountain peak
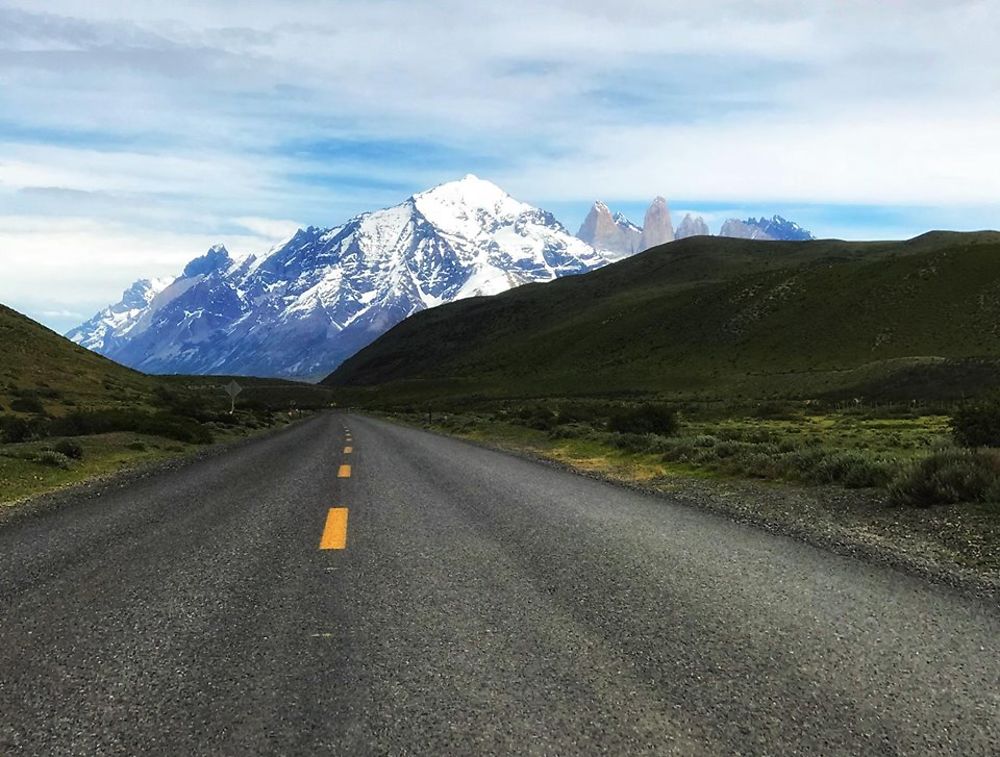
x,y
467,206
307,305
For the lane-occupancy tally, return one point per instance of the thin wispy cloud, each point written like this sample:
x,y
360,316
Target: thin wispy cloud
x,y
163,127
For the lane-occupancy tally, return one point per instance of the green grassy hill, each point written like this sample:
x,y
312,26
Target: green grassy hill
x,y
714,318
40,366
38,362
67,414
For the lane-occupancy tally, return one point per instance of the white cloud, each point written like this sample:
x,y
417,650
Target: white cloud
x,y
55,268
272,229
150,130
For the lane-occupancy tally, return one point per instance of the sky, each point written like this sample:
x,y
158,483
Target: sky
x,y
134,135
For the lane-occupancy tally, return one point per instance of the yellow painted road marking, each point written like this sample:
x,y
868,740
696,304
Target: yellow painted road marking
x,y
335,531
344,472
348,450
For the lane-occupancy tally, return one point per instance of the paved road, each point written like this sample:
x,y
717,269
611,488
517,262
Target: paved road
x,y
483,605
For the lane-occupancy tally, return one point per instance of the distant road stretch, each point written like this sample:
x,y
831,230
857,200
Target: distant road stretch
x,y
352,587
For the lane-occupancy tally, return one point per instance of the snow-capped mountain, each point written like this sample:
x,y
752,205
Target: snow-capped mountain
x,y
775,228
101,330
310,303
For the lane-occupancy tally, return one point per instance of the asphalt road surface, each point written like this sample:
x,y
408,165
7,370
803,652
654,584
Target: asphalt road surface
x,y
464,602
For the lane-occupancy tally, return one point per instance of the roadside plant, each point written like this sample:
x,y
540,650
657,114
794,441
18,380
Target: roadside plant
x,y
948,477
69,448
977,425
54,459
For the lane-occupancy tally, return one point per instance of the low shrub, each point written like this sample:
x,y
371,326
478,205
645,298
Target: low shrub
x,y
53,459
853,469
977,425
645,419
633,442
27,404
136,446
15,430
730,448
803,461
70,449
948,477
569,432
163,424
538,417
751,435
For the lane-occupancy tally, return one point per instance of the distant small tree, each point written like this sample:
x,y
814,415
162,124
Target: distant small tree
x,y
977,425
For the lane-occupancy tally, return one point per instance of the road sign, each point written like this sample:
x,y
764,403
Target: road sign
x,y
233,390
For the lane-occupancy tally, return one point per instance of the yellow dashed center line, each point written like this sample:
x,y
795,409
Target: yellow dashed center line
x,y
348,450
344,472
335,531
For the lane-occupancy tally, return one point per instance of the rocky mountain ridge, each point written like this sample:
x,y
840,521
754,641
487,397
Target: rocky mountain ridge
x,y
306,305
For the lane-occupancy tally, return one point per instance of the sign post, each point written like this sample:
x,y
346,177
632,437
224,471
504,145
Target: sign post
x,y
233,390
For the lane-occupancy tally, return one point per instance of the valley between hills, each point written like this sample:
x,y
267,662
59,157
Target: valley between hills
x,y
789,449
819,388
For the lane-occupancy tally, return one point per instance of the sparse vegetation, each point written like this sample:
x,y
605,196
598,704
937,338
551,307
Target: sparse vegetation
x,y
70,448
72,414
948,477
54,459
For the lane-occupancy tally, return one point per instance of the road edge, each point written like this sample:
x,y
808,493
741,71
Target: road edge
x,y
957,578
38,505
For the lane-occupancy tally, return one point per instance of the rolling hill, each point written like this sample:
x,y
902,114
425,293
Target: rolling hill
x,y
40,366
35,359
715,318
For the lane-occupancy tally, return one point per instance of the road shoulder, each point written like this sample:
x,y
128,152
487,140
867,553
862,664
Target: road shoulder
x,y
927,542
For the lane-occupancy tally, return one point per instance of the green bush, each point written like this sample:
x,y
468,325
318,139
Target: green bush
x,y
730,448
70,449
27,404
977,425
14,430
537,417
948,477
167,425
803,461
53,459
645,419
852,469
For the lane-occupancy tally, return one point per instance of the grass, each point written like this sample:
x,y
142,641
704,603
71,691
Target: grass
x,y
836,448
24,471
23,474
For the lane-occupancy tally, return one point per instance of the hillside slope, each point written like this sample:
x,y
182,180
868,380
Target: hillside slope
x,y
32,358
711,318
